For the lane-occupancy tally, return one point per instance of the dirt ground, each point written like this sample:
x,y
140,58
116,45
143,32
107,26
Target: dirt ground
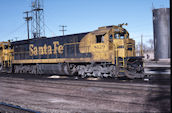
x,y
63,95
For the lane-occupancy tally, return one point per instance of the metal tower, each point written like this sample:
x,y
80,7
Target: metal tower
x,y
37,24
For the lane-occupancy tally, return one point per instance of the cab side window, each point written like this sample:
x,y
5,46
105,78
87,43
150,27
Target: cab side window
x,y
6,46
99,38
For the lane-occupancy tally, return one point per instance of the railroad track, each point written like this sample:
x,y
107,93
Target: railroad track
x,y
67,84
120,90
9,108
97,91
98,84
151,77
75,85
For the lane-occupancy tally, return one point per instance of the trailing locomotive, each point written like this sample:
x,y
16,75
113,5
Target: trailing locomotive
x,y
5,55
105,52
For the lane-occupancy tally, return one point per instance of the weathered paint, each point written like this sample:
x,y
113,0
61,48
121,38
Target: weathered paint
x,y
161,25
101,45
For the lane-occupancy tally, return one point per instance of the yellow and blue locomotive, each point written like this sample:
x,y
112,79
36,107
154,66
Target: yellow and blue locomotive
x,y
105,52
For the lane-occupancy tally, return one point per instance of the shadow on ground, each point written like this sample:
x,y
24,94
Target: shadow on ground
x,y
160,100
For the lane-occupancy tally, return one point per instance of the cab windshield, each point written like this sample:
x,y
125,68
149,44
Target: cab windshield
x,y
118,36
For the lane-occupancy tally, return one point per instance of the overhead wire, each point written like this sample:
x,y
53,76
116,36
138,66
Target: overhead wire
x,y
50,30
15,30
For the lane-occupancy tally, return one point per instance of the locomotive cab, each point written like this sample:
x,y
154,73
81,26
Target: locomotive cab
x,y
112,45
108,43
122,43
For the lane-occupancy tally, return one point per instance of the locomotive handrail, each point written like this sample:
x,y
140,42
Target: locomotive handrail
x,y
72,43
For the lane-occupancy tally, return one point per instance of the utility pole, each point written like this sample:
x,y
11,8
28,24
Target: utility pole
x,y
63,30
141,46
28,18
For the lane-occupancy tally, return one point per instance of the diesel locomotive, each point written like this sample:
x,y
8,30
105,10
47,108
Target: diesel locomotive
x,y
106,52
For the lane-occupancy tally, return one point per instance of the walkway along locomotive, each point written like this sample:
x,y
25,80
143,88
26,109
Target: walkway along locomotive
x,y
105,52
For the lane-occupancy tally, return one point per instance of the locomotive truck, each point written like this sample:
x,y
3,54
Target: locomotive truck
x,y
106,52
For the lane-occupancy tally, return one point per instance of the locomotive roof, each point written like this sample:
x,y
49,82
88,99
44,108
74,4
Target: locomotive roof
x,y
105,29
27,41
